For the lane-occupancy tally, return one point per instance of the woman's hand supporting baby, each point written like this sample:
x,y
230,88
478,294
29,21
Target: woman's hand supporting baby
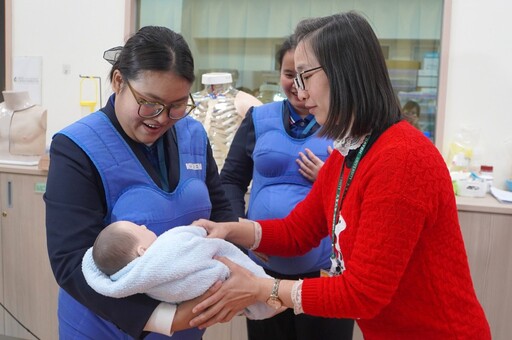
x,y
240,290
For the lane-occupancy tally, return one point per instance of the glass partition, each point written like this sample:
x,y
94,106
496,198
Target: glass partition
x,y
242,36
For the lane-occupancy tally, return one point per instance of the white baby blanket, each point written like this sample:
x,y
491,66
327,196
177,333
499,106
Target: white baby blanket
x,y
177,267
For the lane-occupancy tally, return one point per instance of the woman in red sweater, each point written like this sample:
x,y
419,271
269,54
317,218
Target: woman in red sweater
x,y
385,197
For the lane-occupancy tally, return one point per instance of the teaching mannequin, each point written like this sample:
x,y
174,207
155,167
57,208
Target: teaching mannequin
x,y
27,128
244,101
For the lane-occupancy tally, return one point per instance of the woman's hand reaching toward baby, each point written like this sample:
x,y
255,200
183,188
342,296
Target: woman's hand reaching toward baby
x,y
240,290
240,233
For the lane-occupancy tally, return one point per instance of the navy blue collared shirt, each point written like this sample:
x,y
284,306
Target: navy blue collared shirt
x,y
300,127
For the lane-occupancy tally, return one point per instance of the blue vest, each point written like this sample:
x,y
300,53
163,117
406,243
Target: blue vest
x,y
130,192
278,186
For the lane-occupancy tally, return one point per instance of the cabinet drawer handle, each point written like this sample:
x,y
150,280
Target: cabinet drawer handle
x,y
4,214
9,194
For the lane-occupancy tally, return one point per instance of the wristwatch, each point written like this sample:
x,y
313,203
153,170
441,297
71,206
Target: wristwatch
x,y
274,301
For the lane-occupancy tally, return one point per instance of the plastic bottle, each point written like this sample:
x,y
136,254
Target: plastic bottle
x,y
217,112
486,174
461,151
270,93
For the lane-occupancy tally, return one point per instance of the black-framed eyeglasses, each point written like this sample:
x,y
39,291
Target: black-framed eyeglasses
x,y
152,109
299,78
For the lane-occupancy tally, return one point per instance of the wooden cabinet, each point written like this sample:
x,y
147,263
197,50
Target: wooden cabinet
x,y
487,238
487,230
29,290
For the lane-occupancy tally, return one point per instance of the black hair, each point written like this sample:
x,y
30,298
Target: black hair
x,y
113,249
362,99
153,48
289,44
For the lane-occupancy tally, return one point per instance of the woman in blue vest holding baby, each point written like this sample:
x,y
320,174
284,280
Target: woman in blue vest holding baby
x,y
139,159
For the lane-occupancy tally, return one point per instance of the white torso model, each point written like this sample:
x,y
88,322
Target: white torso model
x,y
22,125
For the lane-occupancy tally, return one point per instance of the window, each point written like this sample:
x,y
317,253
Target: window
x,y
242,36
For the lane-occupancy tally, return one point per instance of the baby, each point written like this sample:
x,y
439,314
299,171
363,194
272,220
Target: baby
x,y
178,265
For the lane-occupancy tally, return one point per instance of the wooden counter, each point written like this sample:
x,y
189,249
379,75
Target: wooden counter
x,y
21,169
487,204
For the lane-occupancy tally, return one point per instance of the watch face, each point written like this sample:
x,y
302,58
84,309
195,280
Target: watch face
x,y
274,303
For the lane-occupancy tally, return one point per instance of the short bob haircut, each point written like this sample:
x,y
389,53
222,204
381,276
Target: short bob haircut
x,y
154,48
362,98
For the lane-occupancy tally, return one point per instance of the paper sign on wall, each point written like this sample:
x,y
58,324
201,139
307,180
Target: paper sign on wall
x,y
26,76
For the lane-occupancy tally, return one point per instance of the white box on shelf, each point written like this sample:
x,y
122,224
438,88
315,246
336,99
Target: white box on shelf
x,y
431,61
471,188
427,73
427,81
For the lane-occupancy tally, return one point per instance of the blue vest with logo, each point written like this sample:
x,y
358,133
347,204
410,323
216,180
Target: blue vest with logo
x,y
278,186
130,192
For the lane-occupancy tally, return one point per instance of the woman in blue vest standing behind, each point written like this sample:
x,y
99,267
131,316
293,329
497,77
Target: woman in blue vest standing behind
x,y
277,148
139,159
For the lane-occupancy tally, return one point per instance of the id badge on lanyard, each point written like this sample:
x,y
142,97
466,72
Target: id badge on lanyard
x,y
338,223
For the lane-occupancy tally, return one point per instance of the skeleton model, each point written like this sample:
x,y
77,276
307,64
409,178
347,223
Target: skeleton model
x,y
221,108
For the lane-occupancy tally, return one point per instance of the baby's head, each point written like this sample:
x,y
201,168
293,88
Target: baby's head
x,y
119,244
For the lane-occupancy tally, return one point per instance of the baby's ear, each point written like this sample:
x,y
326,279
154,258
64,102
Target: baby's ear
x,y
141,250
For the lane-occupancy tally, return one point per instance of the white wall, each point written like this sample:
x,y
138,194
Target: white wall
x,y
75,33
480,81
67,32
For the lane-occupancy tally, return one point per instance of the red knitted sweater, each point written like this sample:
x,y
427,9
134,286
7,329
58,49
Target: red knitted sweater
x,y
407,274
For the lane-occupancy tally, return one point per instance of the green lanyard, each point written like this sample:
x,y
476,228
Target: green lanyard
x,y
337,207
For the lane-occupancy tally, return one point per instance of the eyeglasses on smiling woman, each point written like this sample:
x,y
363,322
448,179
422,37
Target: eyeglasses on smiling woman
x,y
298,81
152,109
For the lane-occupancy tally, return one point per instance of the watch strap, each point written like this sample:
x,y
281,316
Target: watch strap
x,y
275,289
